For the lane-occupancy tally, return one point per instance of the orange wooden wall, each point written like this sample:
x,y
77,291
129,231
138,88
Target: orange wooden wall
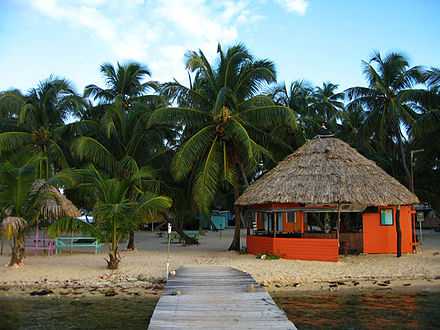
x,y
287,226
383,239
295,248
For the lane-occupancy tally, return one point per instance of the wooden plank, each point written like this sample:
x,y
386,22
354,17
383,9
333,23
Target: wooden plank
x,y
216,297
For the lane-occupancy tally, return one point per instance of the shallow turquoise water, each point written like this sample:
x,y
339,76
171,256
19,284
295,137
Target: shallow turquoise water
x,y
369,310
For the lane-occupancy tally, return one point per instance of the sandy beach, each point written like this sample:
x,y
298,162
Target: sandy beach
x,y
148,265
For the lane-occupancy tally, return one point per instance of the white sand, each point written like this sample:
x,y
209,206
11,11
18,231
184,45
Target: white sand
x,y
150,262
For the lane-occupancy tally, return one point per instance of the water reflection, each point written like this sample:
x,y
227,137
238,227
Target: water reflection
x,y
363,310
76,313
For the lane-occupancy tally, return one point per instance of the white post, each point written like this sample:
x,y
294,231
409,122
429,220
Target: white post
x,y
168,253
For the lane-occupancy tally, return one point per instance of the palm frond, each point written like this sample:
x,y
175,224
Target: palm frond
x,y
69,225
175,114
11,141
208,177
56,154
86,147
191,150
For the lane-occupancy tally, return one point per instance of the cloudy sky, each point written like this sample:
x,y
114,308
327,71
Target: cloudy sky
x,y
318,40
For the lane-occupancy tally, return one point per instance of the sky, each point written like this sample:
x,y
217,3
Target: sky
x,y
317,40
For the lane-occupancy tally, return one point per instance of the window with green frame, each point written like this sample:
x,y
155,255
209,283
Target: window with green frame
x,y
386,217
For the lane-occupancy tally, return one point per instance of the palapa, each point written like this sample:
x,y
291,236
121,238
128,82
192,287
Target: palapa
x,y
57,205
327,171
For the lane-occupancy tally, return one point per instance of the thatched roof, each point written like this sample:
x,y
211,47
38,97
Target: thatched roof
x,y
57,205
327,171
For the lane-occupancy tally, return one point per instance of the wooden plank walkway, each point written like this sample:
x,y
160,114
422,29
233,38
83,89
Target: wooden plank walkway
x,y
216,297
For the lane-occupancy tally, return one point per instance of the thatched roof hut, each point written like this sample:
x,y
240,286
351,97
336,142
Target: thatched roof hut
x,y
327,171
56,205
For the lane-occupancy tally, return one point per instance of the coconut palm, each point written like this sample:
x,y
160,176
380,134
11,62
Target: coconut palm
x,y
327,106
119,208
10,110
124,82
40,124
389,100
13,228
222,115
298,98
119,141
425,134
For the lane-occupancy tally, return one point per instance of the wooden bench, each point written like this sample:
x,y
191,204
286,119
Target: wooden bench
x,y
35,243
70,242
176,238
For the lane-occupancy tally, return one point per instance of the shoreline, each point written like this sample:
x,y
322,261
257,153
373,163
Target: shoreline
x,y
123,288
144,270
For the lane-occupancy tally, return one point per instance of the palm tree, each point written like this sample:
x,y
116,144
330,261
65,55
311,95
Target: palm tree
x,y
119,208
9,110
221,116
389,100
425,134
40,123
327,106
297,97
118,141
125,83
16,203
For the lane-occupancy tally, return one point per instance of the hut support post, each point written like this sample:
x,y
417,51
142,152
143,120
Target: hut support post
x,y
339,224
399,232
275,220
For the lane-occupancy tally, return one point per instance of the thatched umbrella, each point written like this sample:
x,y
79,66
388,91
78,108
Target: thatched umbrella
x,y
327,171
56,205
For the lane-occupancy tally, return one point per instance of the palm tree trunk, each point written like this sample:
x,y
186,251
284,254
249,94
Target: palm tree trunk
x,y
402,155
201,231
130,245
243,174
17,253
113,262
235,245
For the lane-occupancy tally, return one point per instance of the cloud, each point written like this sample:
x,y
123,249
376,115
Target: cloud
x,y
154,32
298,6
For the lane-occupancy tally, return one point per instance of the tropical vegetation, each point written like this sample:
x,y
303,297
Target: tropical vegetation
x,y
173,150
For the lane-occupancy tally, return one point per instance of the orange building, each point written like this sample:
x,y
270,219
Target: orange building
x,y
326,199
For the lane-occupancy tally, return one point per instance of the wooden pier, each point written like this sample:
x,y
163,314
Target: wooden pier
x,y
216,297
